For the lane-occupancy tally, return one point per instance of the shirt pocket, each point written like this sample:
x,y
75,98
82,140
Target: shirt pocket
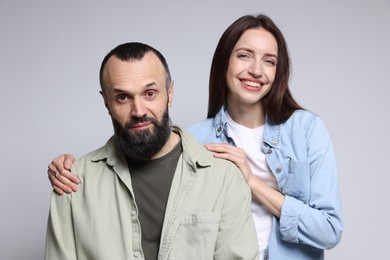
x,y
298,181
196,236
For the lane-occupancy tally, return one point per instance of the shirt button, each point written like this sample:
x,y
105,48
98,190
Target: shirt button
x,y
265,257
219,129
269,151
278,170
137,254
133,213
274,141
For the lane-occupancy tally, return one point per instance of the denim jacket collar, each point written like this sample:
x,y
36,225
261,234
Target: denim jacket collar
x,y
271,136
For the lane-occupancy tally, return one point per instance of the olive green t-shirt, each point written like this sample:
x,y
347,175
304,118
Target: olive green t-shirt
x,y
151,181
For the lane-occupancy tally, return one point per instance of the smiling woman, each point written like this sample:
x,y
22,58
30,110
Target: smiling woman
x,y
283,151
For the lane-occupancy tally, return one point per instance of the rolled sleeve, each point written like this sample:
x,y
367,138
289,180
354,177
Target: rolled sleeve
x,y
289,219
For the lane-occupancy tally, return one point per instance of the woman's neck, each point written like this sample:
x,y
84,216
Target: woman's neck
x,y
248,115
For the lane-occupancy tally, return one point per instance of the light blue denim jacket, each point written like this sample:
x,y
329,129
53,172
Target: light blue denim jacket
x,y
299,153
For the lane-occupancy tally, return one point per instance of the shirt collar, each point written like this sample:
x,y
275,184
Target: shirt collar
x,y
271,134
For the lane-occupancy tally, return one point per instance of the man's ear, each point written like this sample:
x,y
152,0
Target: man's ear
x,y
170,93
105,101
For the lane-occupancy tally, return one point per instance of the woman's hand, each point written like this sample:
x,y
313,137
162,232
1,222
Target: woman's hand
x,y
61,178
233,154
269,197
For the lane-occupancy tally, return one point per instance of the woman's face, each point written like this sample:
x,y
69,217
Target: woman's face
x,y
252,67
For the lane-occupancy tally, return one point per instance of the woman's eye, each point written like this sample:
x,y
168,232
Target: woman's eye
x,y
243,55
270,62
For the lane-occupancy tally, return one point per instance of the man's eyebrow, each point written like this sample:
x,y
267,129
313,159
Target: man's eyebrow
x,y
119,90
151,84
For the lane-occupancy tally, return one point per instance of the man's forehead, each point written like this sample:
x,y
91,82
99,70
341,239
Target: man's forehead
x,y
149,68
149,60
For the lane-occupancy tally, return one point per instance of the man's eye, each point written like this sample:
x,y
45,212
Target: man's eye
x,y
150,93
122,97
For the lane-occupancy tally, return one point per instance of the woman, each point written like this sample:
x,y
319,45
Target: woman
x,y
283,151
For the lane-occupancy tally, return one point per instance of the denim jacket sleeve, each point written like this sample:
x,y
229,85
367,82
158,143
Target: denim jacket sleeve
x,y
311,213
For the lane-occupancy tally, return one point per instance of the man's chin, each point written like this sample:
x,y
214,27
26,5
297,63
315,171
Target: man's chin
x,y
139,133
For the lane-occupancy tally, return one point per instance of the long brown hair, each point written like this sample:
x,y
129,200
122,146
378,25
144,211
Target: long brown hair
x,y
279,103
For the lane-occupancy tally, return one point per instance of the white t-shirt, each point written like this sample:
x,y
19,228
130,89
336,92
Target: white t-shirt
x,y
250,140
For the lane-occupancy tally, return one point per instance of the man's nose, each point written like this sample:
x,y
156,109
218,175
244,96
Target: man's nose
x,y
138,108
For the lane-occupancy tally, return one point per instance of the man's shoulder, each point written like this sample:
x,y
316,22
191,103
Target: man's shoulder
x,y
89,155
195,153
103,153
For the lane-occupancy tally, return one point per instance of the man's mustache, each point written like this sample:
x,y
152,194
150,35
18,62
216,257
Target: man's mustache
x,y
136,120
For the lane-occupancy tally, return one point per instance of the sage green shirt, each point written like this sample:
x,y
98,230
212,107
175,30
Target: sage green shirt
x,y
207,216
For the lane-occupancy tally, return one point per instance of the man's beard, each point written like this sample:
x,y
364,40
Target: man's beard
x,y
141,145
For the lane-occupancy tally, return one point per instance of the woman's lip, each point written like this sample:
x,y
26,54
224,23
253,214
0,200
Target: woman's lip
x,y
253,85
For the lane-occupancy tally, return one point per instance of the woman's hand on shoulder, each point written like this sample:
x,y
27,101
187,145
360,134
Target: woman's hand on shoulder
x,y
233,154
61,178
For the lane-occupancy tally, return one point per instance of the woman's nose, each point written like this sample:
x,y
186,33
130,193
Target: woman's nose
x,y
256,69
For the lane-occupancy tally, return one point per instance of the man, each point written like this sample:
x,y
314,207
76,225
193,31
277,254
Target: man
x,y
151,192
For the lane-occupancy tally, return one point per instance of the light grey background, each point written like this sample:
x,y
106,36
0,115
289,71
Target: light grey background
x,y
50,53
